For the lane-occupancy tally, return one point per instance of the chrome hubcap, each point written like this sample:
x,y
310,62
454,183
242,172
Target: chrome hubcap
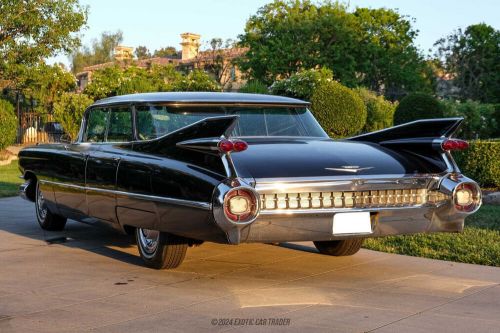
x,y
40,204
148,240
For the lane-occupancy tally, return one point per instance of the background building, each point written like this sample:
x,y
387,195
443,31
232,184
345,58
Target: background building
x,y
218,62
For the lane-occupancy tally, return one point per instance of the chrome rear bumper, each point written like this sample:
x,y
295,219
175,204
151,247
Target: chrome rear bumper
x,y
316,224
385,222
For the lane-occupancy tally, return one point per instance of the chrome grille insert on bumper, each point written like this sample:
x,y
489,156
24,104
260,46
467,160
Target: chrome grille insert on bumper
x,y
350,199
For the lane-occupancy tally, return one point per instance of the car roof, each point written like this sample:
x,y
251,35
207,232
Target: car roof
x,y
201,98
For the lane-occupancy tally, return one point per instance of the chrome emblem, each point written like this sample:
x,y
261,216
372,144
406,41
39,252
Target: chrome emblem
x,y
349,168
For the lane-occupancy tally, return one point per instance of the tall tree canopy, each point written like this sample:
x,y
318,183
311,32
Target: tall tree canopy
x,y
142,52
473,58
33,30
168,51
100,52
371,47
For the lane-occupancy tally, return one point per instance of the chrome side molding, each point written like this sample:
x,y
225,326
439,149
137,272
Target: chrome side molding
x,y
168,200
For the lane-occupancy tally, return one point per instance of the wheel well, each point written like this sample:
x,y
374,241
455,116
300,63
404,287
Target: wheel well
x,y
31,190
129,230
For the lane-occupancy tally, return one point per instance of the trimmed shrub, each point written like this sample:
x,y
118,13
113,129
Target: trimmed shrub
x,y
302,84
197,80
496,116
380,112
8,124
481,162
338,109
254,87
69,109
417,106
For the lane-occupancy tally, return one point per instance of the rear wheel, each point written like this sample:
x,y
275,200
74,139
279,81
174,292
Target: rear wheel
x,y
46,219
346,247
160,250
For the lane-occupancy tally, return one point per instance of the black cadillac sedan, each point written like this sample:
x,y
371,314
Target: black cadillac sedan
x,y
178,169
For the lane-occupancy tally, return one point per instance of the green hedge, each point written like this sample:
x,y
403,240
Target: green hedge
x,y
418,106
481,121
380,112
301,84
8,124
254,87
481,162
69,109
339,110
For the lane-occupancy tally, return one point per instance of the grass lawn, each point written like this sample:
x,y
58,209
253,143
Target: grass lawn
x,y
478,244
9,179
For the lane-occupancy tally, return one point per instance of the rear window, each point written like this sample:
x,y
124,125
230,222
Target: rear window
x,y
155,121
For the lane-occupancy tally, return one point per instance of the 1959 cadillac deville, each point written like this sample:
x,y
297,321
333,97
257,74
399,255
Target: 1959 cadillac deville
x,y
182,168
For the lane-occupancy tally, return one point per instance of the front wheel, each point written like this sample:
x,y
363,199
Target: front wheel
x,y
46,219
160,250
346,247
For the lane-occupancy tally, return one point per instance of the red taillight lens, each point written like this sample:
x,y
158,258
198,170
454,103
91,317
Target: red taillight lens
x,y
467,197
454,144
240,205
228,146
240,145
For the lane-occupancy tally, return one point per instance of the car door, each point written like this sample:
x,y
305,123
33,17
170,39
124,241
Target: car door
x,y
69,179
68,167
102,164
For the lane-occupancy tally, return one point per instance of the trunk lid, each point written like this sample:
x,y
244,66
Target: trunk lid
x,y
311,157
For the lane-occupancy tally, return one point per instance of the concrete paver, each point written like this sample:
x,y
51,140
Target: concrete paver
x,y
95,282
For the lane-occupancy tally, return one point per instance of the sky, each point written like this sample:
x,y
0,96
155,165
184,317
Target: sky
x,y
158,23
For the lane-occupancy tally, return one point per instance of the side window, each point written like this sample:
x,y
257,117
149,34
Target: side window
x,y
120,125
152,122
96,125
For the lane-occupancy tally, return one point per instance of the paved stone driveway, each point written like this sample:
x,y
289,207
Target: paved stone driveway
x,y
95,282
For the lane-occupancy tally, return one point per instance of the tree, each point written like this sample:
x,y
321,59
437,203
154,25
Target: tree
x,y
100,52
387,60
166,52
367,47
69,112
472,57
165,78
33,30
105,83
285,37
114,80
197,80
142,52
302,84
479,119
254,87
217,61
8,124
45,84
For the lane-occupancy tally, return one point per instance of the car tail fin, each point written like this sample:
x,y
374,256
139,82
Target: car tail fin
x,y
415,131
204,132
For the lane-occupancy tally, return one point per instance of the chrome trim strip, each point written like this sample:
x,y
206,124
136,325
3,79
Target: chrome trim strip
x,y
352,183
389,177
286,212
174,201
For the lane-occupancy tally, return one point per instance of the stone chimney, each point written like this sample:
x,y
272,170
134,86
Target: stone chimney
x,y
190,45
122,53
